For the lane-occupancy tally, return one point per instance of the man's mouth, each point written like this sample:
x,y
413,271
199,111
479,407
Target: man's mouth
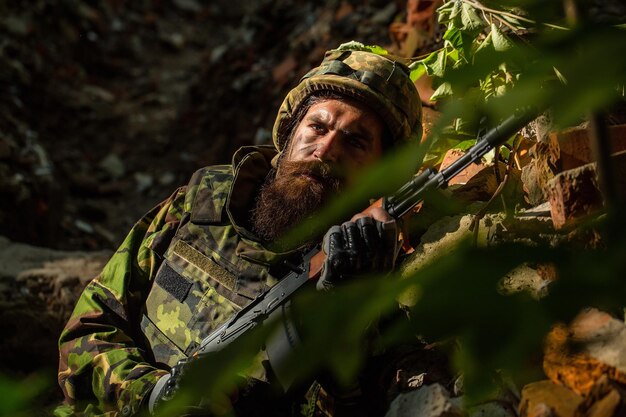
x,y
312,176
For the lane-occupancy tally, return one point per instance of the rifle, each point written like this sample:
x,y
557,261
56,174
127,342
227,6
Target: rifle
x,y
275,300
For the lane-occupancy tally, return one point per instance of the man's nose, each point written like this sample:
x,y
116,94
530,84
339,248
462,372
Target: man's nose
x,y
327,149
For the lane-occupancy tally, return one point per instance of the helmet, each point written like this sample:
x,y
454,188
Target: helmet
x,y
379,82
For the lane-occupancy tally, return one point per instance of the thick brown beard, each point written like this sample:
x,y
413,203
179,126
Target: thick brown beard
x,y
289,196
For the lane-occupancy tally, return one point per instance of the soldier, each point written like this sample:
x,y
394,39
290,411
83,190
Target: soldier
x,y
207,251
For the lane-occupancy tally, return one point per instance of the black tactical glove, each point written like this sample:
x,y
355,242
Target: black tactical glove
x,y
365,246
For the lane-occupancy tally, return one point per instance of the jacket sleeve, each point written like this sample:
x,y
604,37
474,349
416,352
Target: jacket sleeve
x,y
102,365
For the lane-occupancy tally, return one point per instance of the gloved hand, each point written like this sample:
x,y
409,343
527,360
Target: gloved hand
x,y
364,246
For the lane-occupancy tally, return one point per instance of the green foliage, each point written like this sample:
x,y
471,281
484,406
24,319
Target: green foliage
x,y
484,58
358,46
19,396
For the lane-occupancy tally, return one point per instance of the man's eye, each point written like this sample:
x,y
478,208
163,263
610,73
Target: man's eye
x,y
356,143
317,128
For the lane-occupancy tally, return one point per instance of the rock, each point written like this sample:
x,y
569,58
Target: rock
x,y
21,262
525,278
528,227
6,147
283,72
144,181
539,129
113,165
262,137
98,93
429,119
175,40
602,337
561,152
38,290
217,53
442,236
539,171
415,367
427,401
545,398
83,226
580,356
188,5
18,26
167,178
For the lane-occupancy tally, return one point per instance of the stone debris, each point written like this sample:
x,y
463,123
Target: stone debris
x,y
592,347
575,195
434,400
548,399
575,149
450,157
427,401
541,169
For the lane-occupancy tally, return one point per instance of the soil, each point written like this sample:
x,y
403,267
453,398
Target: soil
x,y
112,105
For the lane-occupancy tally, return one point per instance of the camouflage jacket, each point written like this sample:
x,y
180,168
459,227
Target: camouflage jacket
x,y
184,268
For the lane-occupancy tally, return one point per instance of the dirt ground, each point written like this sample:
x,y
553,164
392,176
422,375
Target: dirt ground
x,y
112,105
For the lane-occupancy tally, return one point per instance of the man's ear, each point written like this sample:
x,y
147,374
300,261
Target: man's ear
x,y
276,159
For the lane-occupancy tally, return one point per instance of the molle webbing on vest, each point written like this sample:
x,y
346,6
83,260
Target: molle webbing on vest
x,y
205,264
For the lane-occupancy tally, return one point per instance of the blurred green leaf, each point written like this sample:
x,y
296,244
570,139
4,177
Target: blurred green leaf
x,y
417,70
444,90
19,396
454,17
358,46
461,42
435,63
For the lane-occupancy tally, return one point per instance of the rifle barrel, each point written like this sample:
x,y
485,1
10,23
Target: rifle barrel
x,y
412,193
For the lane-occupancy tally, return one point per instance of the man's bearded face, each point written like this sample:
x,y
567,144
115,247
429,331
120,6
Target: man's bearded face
x,y
334,140
295,191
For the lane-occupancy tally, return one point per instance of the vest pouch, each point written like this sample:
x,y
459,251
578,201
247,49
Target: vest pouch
x,y
181,309
234,278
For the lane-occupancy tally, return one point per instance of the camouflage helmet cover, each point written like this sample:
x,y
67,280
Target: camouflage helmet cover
x,y
381,83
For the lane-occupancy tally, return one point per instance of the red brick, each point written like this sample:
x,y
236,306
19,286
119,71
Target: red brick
x,y
465,175
574,194
575,147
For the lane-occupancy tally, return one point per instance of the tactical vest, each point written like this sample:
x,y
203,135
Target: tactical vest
x,y
210,270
